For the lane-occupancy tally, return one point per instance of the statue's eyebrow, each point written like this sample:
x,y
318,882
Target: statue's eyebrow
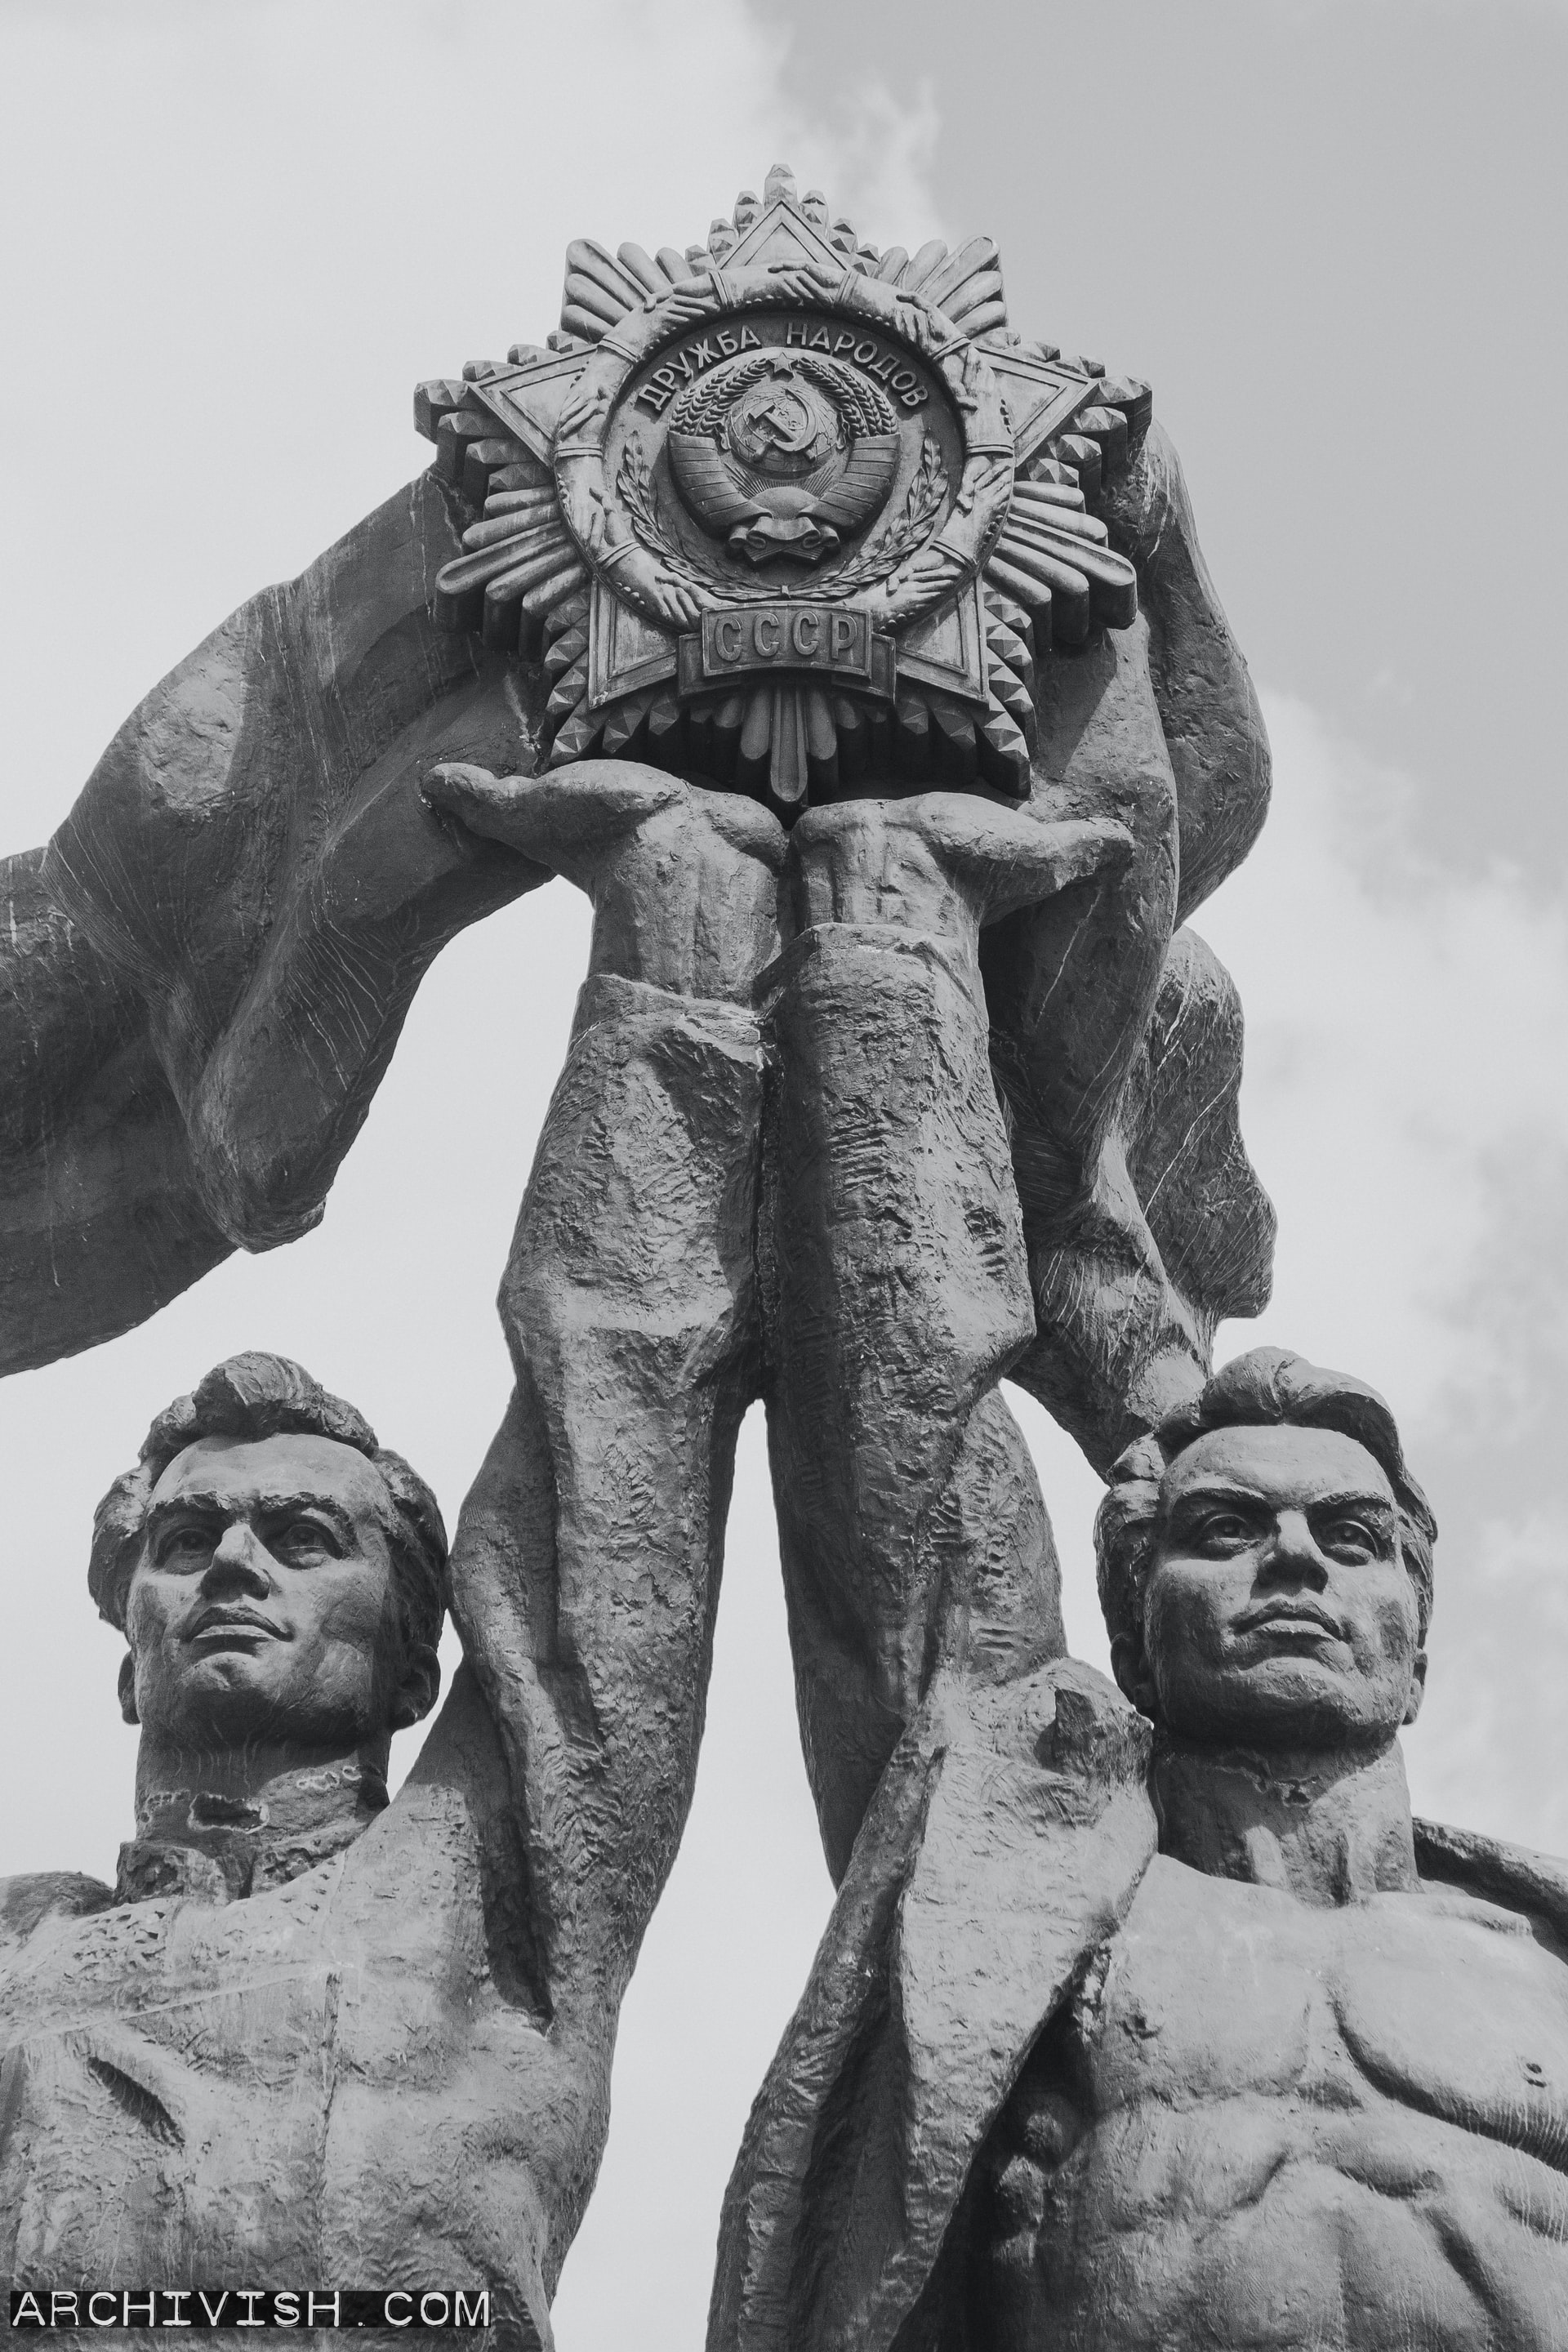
x,y
1227,1490
205,1504
1355,1499
1222,1490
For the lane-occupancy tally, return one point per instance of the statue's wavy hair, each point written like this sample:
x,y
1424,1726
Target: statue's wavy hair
x,y
1265,1387
255,1396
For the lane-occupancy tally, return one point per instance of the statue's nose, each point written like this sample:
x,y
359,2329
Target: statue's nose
x,y
238,1562
1291,1555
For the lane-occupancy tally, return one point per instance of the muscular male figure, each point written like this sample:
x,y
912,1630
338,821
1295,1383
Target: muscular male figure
x,y
1301,2093
1194,2036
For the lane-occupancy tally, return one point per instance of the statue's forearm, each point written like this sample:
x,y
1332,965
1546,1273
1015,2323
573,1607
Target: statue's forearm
x,y
1070,980
684,881
1133,1274
1116,1345
1105,1034
1213,727
585,1567
894,1278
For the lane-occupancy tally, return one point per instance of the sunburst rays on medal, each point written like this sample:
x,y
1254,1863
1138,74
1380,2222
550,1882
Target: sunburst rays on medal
x,y
1049,578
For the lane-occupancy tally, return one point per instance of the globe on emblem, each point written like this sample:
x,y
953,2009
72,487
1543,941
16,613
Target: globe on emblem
x,y
781,455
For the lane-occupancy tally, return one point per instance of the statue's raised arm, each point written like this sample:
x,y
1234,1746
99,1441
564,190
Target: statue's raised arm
x,y
853,654
202,974
1116,1035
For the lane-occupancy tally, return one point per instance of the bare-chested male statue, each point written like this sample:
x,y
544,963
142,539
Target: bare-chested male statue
x,y
1195,2041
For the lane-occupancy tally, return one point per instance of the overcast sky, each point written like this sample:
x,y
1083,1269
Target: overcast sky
x,y
1332,238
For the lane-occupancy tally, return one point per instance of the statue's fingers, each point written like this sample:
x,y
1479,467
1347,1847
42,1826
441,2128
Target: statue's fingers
x,y
559,818
1080,848
1018,859
1036,860
683,605
590,801
476,798
1014,855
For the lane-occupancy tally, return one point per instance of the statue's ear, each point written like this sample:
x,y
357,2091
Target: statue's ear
x,y
1130,1665
1417,1685
128,1688
417,1685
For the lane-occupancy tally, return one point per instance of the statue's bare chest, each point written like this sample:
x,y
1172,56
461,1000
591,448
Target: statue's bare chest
x,y
1323,2124
1432,2000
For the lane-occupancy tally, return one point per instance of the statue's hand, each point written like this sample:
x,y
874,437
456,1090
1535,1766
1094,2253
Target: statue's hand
x,y
917,585
856,857
583,403
571,817
558,818
1009,858
811,283
679,604
683,880
697,298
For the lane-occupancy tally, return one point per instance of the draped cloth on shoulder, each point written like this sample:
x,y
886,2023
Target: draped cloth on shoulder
x,y
1511,1875
1006,1843
1003,1847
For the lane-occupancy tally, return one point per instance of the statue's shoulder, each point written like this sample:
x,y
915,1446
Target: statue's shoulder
x,y
27,1901
1514,1876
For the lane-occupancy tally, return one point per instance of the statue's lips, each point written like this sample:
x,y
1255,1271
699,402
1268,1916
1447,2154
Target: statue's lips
x,y
1303,1621
215,1625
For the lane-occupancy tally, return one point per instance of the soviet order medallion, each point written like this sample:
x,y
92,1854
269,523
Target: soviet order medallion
x,y
786,513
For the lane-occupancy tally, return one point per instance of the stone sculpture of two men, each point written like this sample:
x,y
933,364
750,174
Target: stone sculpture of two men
x,y
1099,2039
866,1104
896,1070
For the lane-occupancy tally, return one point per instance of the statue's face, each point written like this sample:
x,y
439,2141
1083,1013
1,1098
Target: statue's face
x,y
1277,1611
263,1608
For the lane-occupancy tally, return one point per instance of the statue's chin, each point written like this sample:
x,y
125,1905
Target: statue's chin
x,y
232,1700
1296,1702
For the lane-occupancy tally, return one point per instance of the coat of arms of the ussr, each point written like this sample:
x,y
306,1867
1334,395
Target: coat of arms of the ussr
x,y
786,512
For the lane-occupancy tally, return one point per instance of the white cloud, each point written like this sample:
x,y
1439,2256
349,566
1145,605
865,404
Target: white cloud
x,y
1492,1750
1405,1105
881,154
